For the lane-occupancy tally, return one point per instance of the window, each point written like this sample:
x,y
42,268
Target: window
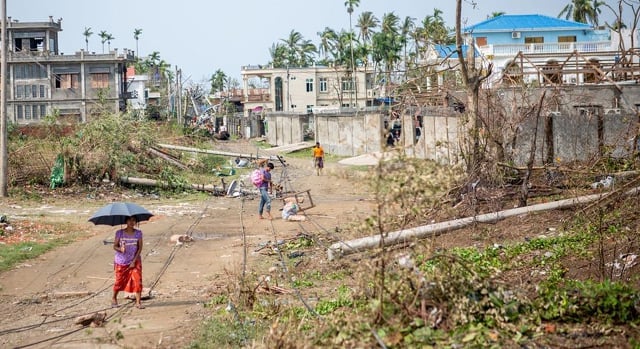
x,y
534,40
567,38
66,80
35,112
99,80
30,71
347,84
481,41
43,110
30,91
323,84
19,114
27,112
534,43
309,83
309,108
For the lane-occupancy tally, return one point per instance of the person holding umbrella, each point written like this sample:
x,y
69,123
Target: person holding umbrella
x,y
127,262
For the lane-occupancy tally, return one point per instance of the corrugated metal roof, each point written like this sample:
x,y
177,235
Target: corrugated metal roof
x,y
524,22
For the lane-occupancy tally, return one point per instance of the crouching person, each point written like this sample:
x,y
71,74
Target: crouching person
x,y
291,209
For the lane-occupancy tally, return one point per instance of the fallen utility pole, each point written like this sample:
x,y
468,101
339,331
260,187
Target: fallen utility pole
x,y
342,248
221,190
163,184
214,152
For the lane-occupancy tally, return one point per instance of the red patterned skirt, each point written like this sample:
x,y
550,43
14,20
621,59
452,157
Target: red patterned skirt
x,y
128,279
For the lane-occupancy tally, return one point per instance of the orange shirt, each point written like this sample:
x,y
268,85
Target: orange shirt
x,y
318,152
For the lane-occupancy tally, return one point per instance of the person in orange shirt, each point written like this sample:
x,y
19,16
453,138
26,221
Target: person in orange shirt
x,y
318,158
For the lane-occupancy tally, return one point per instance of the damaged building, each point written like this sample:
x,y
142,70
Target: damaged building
x,y
43,81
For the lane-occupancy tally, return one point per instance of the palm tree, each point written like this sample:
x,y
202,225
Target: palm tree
x,y
351,4
109,38
406,29
218,81
306,51
103,38
154,58
583,11
299,52
87,33
278,53
291,43
328,38
432,31
136,35
387,45
367,22
390,23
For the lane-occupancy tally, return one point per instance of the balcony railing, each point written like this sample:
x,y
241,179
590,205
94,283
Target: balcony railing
x,y
510,50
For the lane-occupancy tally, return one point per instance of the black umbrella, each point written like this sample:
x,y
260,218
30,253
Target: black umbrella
x,y
117,213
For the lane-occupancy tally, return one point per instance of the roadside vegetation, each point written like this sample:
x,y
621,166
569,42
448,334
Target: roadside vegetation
x,y
92,157
562,279
555,279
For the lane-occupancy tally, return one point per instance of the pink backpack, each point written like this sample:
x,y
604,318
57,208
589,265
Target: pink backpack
x,y
257,177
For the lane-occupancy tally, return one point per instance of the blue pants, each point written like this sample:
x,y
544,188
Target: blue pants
x,y
265,200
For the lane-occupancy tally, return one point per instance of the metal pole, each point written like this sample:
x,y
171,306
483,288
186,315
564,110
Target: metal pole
x,y
4,171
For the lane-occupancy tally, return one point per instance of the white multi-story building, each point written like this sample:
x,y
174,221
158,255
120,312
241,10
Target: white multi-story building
x,y
308,89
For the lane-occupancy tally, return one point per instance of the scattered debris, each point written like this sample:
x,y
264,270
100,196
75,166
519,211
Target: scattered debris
x,y
92,320
606,182
625,262
295,254
179,239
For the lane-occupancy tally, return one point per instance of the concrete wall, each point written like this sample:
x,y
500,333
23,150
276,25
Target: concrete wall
x,y
584,118
282,129
582,111
347,134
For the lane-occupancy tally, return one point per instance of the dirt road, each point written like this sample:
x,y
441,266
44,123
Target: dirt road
x,y
41,298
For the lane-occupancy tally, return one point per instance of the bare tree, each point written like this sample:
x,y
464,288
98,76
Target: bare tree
x,y
472,78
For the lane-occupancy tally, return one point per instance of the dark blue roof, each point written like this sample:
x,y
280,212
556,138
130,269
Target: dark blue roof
x,y
449,51
524,22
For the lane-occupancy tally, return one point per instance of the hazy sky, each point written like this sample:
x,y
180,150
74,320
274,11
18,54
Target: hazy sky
x,y
202,36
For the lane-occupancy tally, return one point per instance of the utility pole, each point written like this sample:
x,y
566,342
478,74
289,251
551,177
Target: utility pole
x,y
4,170
179,95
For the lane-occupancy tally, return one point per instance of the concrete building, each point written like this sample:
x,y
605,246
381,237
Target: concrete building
x,y
43,81
306,90
544,50
590,78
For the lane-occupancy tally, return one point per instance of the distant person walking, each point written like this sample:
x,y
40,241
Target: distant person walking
x,y
265,189
318,158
